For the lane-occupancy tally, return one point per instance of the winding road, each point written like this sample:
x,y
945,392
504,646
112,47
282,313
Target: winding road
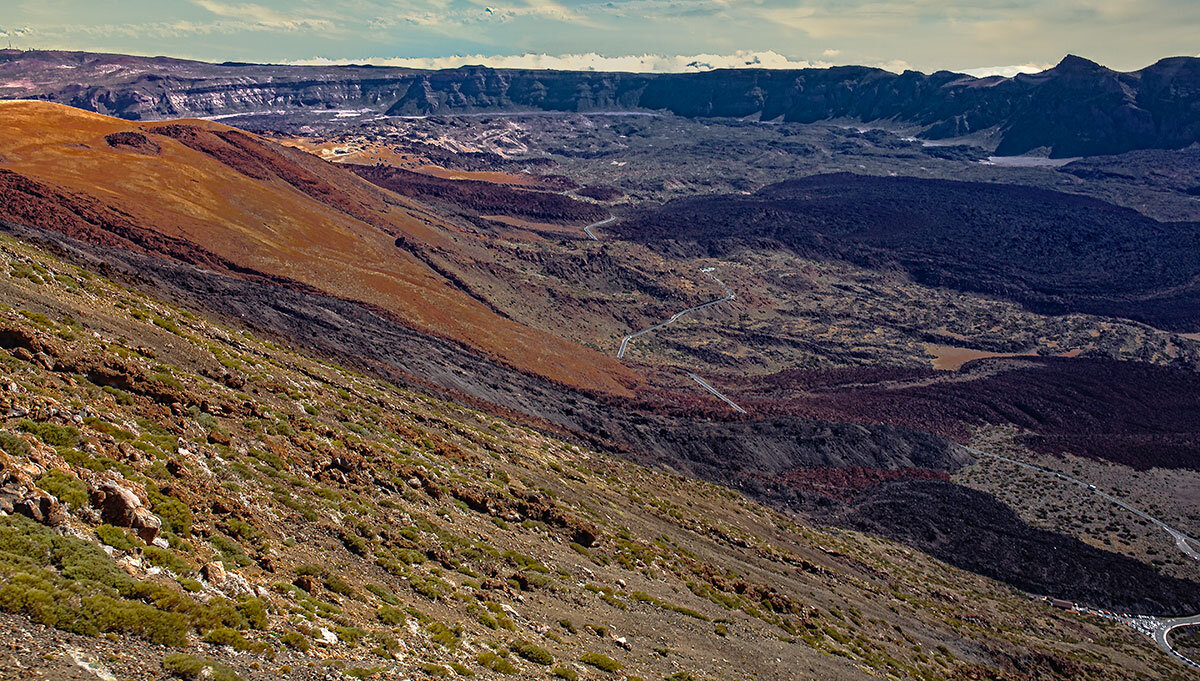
x,y
625,341
1156,628
704,384
677,315
588,230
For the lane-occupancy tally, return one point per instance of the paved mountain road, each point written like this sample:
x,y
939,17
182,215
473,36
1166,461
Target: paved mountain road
x,y
588,230
625,341
1156,628
704,384
677,315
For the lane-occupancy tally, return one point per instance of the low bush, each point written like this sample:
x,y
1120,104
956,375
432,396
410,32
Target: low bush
x,y
71,584
600,661
442,634
52,434
295,641
194,668
531,652
496,663
393,617
224,636
167,559
383,593
14,445
66,488
117,538
339,586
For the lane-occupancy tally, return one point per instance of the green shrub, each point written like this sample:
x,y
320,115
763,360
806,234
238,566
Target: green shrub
x,y
231,554
386,645
116,432
531,652
167,559
295,641
461,669
194,668
339,586
525,562
435,669
442,634
65,488
129,617
175,515
52,434
254,610
351,635
14,445
496,663
566,673
644,597
121,396
218,612
243,531
600,661
356,544
224,636
393,617
383,593
117,538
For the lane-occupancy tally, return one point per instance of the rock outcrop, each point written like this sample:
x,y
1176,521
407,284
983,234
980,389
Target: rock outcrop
x,y
122,507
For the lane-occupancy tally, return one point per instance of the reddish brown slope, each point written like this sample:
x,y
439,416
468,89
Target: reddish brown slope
x,y
221,198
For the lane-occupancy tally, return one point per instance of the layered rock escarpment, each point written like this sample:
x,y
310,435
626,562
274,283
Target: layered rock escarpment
x,y
1077,108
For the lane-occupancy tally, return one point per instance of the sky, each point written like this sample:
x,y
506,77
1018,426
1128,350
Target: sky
x,y
975,36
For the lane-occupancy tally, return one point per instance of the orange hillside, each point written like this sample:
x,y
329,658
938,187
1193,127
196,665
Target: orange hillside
x,y
257,205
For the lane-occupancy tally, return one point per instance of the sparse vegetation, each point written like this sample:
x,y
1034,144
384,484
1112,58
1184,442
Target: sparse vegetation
x,y
322,518
194,669
600,661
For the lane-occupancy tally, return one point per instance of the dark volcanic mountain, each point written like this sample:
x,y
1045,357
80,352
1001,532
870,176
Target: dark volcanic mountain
x,y
1051,251
1076,108
976,532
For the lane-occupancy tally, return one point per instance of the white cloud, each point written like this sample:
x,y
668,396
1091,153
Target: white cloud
x,y
646,63
262,17
893,65
831,53
1006,71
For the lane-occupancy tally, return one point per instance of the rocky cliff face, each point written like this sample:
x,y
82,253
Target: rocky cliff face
x,y
1077,108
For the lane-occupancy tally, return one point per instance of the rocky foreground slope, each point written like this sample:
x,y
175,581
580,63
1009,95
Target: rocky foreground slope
x,y
181,498
1076,108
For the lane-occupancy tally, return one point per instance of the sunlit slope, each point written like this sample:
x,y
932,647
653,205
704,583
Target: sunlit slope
x,y
263,208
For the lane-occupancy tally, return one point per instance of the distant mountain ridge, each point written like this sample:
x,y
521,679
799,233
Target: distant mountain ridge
x,y
1077,108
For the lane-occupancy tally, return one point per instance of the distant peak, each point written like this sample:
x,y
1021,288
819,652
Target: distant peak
x,y
1075,63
